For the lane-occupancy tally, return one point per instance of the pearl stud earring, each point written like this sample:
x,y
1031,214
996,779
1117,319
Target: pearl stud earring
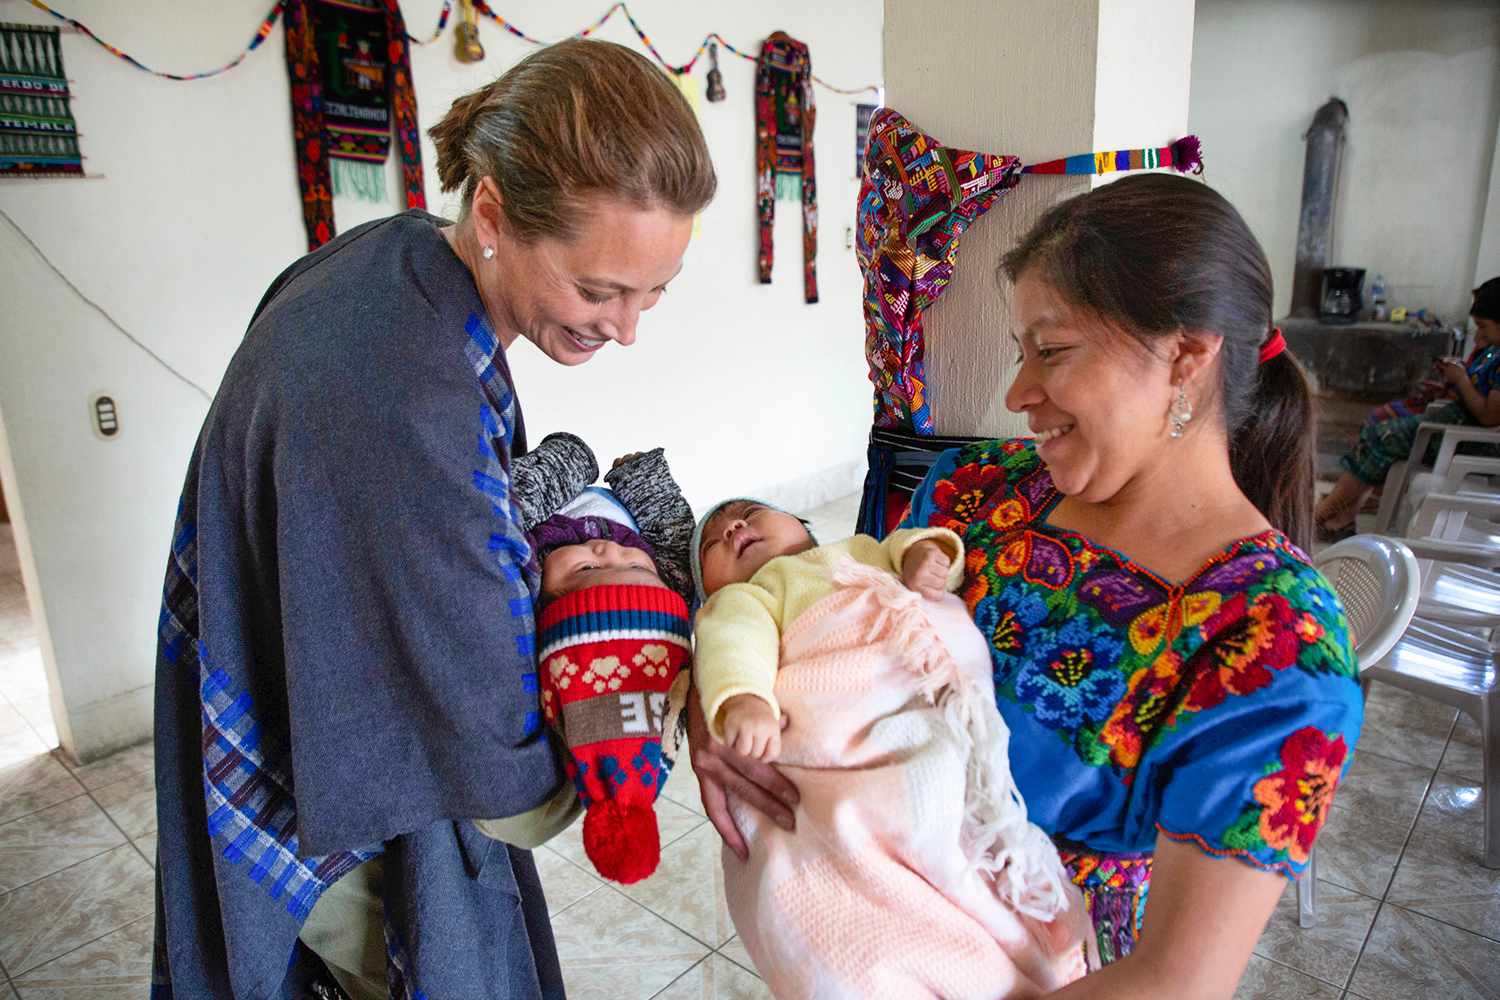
x,y
489,253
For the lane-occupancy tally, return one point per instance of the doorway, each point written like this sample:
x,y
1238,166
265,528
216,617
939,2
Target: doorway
x,y
26,726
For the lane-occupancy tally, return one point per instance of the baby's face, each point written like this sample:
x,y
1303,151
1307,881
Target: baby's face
x,y
589,564
743,537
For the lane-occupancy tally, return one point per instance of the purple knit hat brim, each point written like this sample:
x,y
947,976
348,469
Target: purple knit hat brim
x,y
559,530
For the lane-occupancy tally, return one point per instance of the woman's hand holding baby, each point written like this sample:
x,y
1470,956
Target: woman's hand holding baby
x,y
751,727
925,567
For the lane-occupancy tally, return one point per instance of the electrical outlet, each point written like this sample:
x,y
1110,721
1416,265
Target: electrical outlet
x,y
104,415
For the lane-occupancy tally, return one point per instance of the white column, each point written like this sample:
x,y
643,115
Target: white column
x,y
1487,257
1040,81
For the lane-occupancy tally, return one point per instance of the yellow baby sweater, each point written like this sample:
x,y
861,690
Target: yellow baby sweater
x,y
737,635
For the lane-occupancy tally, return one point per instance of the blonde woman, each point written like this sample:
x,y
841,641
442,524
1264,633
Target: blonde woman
x,y
346,666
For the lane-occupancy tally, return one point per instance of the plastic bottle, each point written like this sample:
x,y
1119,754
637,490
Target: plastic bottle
x,y
1377,299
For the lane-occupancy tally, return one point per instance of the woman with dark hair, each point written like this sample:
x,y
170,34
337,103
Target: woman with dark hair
x,y
346,674
1469,393
1177,677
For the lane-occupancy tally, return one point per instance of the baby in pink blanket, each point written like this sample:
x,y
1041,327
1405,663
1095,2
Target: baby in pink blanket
x,y
913,870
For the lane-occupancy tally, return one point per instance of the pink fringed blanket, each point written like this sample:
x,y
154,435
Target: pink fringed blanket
x,y
913,871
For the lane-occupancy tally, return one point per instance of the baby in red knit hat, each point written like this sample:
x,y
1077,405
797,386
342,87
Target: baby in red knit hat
x,y
613,635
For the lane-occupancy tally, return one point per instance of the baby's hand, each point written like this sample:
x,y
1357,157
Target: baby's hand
x,y
924,568
626,458
751,727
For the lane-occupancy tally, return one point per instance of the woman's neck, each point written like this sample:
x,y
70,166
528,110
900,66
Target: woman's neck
x,y
1174,514
465,243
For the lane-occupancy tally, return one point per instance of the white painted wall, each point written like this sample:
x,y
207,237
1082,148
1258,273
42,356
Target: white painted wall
x,y
1422,81
749,389
1487,259
1038,81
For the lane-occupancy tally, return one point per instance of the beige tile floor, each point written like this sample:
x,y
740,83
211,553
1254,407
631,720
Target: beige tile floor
x,y
1408,912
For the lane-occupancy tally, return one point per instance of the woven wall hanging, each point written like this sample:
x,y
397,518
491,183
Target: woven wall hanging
x,y
38,136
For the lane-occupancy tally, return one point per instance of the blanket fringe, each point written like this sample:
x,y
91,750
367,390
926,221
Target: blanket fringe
x,y
999,840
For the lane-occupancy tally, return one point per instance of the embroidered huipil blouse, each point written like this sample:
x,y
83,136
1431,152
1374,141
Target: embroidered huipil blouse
x,y
1220,711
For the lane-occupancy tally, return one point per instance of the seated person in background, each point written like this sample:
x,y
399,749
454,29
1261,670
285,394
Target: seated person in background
x,y
1471,395
913,870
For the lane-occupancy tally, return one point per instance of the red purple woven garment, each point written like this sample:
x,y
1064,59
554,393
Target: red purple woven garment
x,y
784,119
350,68
915,201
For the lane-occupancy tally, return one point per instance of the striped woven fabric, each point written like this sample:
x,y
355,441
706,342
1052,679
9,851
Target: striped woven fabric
x,y
1183,155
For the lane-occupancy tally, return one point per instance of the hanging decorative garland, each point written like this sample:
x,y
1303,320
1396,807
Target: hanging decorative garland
x,y
481,6
676,70
260,35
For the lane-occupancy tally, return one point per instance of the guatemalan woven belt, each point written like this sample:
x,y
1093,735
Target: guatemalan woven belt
x,y
350,66
784,117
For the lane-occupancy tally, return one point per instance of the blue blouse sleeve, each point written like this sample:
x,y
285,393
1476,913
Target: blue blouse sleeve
x,y
919,512
1486,376
1249,767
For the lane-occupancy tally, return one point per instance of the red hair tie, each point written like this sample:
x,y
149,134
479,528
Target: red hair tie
x,y
1273,346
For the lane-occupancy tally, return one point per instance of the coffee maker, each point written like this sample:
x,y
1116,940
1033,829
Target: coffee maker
x,y
1342,294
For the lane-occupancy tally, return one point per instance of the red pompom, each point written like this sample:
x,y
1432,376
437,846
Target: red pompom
x,y
622,840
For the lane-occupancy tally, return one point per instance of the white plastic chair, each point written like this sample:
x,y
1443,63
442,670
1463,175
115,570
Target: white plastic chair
x,y
1450,470
1451,652
1470,516
1378,583
1457,666
1456,539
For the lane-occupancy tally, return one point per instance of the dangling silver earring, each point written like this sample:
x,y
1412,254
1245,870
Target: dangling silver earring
x,y
488,253
1182,412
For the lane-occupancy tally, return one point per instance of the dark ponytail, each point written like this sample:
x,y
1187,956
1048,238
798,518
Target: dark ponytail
x,y
1273,449
1155,254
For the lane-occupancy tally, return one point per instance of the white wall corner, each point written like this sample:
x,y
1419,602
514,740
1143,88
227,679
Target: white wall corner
x,y
110,724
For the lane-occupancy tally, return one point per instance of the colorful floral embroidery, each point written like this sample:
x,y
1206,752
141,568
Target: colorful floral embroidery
x,y
1247,640
969,487
1069,676
1005,619
1293,801
1146,706
1185,686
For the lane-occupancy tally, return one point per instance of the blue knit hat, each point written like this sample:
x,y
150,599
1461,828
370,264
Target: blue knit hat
x,y
695,554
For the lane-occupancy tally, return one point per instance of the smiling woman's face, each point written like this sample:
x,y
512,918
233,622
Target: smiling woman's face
x,y
1096,398
570,298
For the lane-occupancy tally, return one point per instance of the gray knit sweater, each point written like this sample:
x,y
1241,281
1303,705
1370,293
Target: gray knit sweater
x,y
559,468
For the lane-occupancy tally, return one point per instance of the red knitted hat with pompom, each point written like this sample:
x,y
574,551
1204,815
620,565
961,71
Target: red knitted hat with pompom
x,y
609,654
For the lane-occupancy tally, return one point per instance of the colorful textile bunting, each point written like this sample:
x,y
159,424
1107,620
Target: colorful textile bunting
x,y
277,8
260,35
675,69
38,136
